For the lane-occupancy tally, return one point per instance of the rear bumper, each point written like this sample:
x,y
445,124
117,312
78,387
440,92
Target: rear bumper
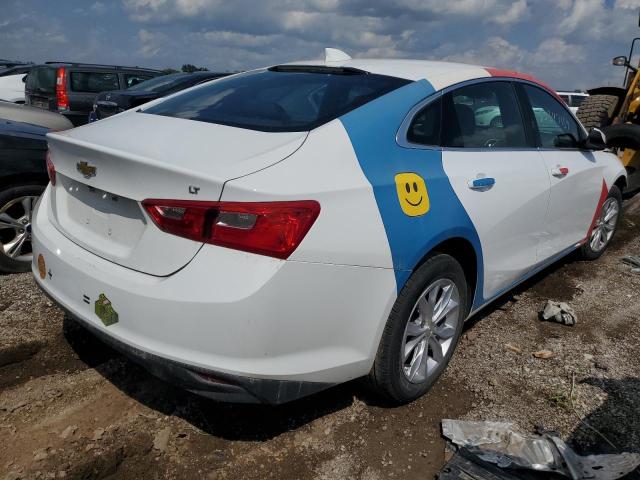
x,y
273,330
215,385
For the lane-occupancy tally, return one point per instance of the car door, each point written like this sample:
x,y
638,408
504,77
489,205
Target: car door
x,y
499,177
576,176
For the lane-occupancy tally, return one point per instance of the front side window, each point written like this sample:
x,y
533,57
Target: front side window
x,y
483,115
94,82
555,125
281,99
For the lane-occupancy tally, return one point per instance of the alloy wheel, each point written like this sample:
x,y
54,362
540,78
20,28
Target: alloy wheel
x,y
15,228
605,225
430,330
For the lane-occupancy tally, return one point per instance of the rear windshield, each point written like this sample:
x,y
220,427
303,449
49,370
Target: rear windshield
x,y
160,84
41,80
283,99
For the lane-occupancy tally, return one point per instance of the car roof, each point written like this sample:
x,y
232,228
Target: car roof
x,y
440,74
95,66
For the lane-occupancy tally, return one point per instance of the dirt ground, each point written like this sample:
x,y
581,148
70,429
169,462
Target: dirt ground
x,y
72,408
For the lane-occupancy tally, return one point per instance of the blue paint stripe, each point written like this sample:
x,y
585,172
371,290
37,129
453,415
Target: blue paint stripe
x,y
372,130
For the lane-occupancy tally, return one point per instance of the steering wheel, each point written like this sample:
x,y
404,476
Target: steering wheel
x,y
492,142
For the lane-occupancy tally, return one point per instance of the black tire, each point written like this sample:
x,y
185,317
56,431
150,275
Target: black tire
x,y
586,251
387,377
7,194
597,111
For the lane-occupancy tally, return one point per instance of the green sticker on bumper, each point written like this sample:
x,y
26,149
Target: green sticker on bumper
x,y
105,311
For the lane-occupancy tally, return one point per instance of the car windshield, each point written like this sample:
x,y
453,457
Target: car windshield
x,y
280,99
159,84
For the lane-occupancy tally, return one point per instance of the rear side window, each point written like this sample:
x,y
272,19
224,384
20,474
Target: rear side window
x,y
41,80
94,82
425,127
286,100
555,125
484,115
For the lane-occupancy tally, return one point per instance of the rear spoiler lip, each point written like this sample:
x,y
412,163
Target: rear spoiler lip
x,y
64,138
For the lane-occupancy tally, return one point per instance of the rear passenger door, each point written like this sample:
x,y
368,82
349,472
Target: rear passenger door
x,y
499,177
575,175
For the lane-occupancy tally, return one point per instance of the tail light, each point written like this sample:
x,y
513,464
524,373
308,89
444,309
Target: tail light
x,y
51,169
61,89
266,228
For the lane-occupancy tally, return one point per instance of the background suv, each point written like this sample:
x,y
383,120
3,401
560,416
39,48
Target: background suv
x,y
71,88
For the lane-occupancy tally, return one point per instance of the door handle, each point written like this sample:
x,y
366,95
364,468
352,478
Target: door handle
x,y
481,184
560,172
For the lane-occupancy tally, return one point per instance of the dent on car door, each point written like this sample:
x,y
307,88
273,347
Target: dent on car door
x,y
576,176
497,174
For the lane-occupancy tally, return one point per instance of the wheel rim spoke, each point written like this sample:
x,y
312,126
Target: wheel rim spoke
x,y
14,248
8,222
445,332
425,309
412,344
417,361
436,350
27,204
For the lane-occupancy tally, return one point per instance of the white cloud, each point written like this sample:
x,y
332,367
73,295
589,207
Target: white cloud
x,y
518,11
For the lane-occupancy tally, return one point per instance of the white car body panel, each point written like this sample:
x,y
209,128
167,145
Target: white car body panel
x,y
225,296
12,88
573,198
509,216
114,226
326,169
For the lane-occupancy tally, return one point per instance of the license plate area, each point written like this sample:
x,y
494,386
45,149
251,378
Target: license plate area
x,y
40,103
99,220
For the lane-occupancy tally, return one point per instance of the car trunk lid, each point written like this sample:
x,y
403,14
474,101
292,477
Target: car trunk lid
x,y
104,170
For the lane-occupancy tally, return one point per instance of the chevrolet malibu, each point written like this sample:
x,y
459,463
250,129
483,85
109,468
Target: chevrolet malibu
x,y
273,233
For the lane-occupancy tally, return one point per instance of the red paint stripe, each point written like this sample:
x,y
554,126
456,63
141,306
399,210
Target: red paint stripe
x,y
497,72
603,196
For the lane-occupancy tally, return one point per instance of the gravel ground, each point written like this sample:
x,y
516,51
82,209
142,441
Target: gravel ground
x,y
72,408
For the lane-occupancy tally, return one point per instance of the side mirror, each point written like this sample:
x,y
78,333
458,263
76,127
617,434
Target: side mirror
x,y
596,140
24,79
620,61
623,61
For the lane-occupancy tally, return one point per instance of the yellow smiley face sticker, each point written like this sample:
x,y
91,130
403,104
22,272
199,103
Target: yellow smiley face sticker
x,y
412,194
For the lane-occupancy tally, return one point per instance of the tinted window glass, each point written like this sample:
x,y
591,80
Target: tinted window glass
x,y
133,79
425,127
484,115
94,82
556,126
576,100
41,80
278,101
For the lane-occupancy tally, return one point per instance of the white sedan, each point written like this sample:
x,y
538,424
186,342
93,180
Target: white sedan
x,y
267,235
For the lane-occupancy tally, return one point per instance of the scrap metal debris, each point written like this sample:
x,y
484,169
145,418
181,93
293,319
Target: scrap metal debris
x,y
559,312
500,444
543,354
634,261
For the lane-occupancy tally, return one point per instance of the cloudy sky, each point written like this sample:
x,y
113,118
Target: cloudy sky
x,y
567,43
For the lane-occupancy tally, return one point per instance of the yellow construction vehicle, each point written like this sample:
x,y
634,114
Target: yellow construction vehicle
x,y
617,109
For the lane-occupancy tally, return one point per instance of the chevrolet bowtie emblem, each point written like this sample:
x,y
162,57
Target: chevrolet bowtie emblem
x,y
85,169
